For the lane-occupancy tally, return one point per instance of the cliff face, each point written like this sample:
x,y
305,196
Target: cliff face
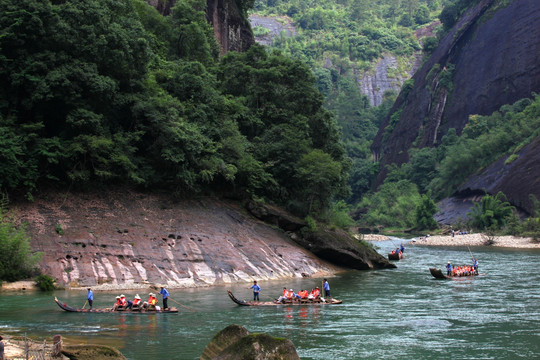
x,y
492,57
231,30
130,240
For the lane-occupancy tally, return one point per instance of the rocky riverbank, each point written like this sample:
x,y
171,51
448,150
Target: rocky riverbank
x,y
129,240
476,240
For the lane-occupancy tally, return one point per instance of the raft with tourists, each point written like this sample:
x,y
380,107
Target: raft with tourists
x,y
395,255
138,310
320,301
438,274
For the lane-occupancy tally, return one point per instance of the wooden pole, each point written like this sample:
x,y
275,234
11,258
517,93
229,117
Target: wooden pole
x,y
187,307
86,302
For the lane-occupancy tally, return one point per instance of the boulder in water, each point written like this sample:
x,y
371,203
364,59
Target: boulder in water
x,y
236,343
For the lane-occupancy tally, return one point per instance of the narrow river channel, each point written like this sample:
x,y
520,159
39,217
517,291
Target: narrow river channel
x,y
400,313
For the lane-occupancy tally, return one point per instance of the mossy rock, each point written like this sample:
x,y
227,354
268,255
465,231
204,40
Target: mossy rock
x,y
92,352
223,340
260,347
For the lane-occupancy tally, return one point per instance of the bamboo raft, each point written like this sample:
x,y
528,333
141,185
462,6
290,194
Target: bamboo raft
x,y
138,310
275,303
395,256
438,274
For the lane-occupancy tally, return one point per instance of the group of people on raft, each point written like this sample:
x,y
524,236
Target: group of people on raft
x,y
399,250
122,303
462,270
289,296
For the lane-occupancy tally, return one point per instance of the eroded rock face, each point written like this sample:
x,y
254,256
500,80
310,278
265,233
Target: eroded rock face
x,y
231,30
337,247
236,343
494,48
126,239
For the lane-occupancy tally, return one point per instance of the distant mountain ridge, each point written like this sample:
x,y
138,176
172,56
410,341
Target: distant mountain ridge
x,y
493,56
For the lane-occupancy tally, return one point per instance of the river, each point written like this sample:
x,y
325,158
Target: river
x,y
396,313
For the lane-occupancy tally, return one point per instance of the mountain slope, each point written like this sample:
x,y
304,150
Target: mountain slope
x,y
490,57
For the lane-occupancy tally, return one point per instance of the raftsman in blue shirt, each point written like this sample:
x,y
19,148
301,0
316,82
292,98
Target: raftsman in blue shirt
x,y
90,295
256,288
164,292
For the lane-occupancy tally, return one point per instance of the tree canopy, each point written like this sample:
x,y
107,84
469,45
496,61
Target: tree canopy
x,y
101,92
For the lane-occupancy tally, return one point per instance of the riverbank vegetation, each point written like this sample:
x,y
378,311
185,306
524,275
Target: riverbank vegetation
x,y
16,258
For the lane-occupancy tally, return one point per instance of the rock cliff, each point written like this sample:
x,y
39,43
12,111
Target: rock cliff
x,y
231,29
492,57
129,240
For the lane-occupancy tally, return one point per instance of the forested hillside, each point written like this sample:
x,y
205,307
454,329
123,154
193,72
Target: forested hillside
x,y
101,92
344,42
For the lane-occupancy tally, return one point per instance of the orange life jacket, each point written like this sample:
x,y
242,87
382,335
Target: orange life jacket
x,y
136,301
123,301
153,301
304,294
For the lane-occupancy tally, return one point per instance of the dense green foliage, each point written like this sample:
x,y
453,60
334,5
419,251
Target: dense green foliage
x,y
424,214
393,205
492,212
17,262
101,92
484,140
45,282
342,39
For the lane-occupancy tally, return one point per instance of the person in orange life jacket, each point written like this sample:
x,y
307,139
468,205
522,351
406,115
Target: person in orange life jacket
x,y
151,303
256,290
292,295
283,297
117,304
137,301
125,302
303,294
165,295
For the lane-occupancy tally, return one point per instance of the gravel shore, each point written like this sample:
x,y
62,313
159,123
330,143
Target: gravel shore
x,y
475,240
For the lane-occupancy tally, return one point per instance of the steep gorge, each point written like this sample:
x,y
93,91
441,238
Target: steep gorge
x,y
492,57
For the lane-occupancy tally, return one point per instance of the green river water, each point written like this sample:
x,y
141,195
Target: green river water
x,y
399,313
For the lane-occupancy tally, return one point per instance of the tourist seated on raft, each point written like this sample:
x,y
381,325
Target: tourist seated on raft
x,y
151,303
136,302
125,302
283,297
315,294
118,304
